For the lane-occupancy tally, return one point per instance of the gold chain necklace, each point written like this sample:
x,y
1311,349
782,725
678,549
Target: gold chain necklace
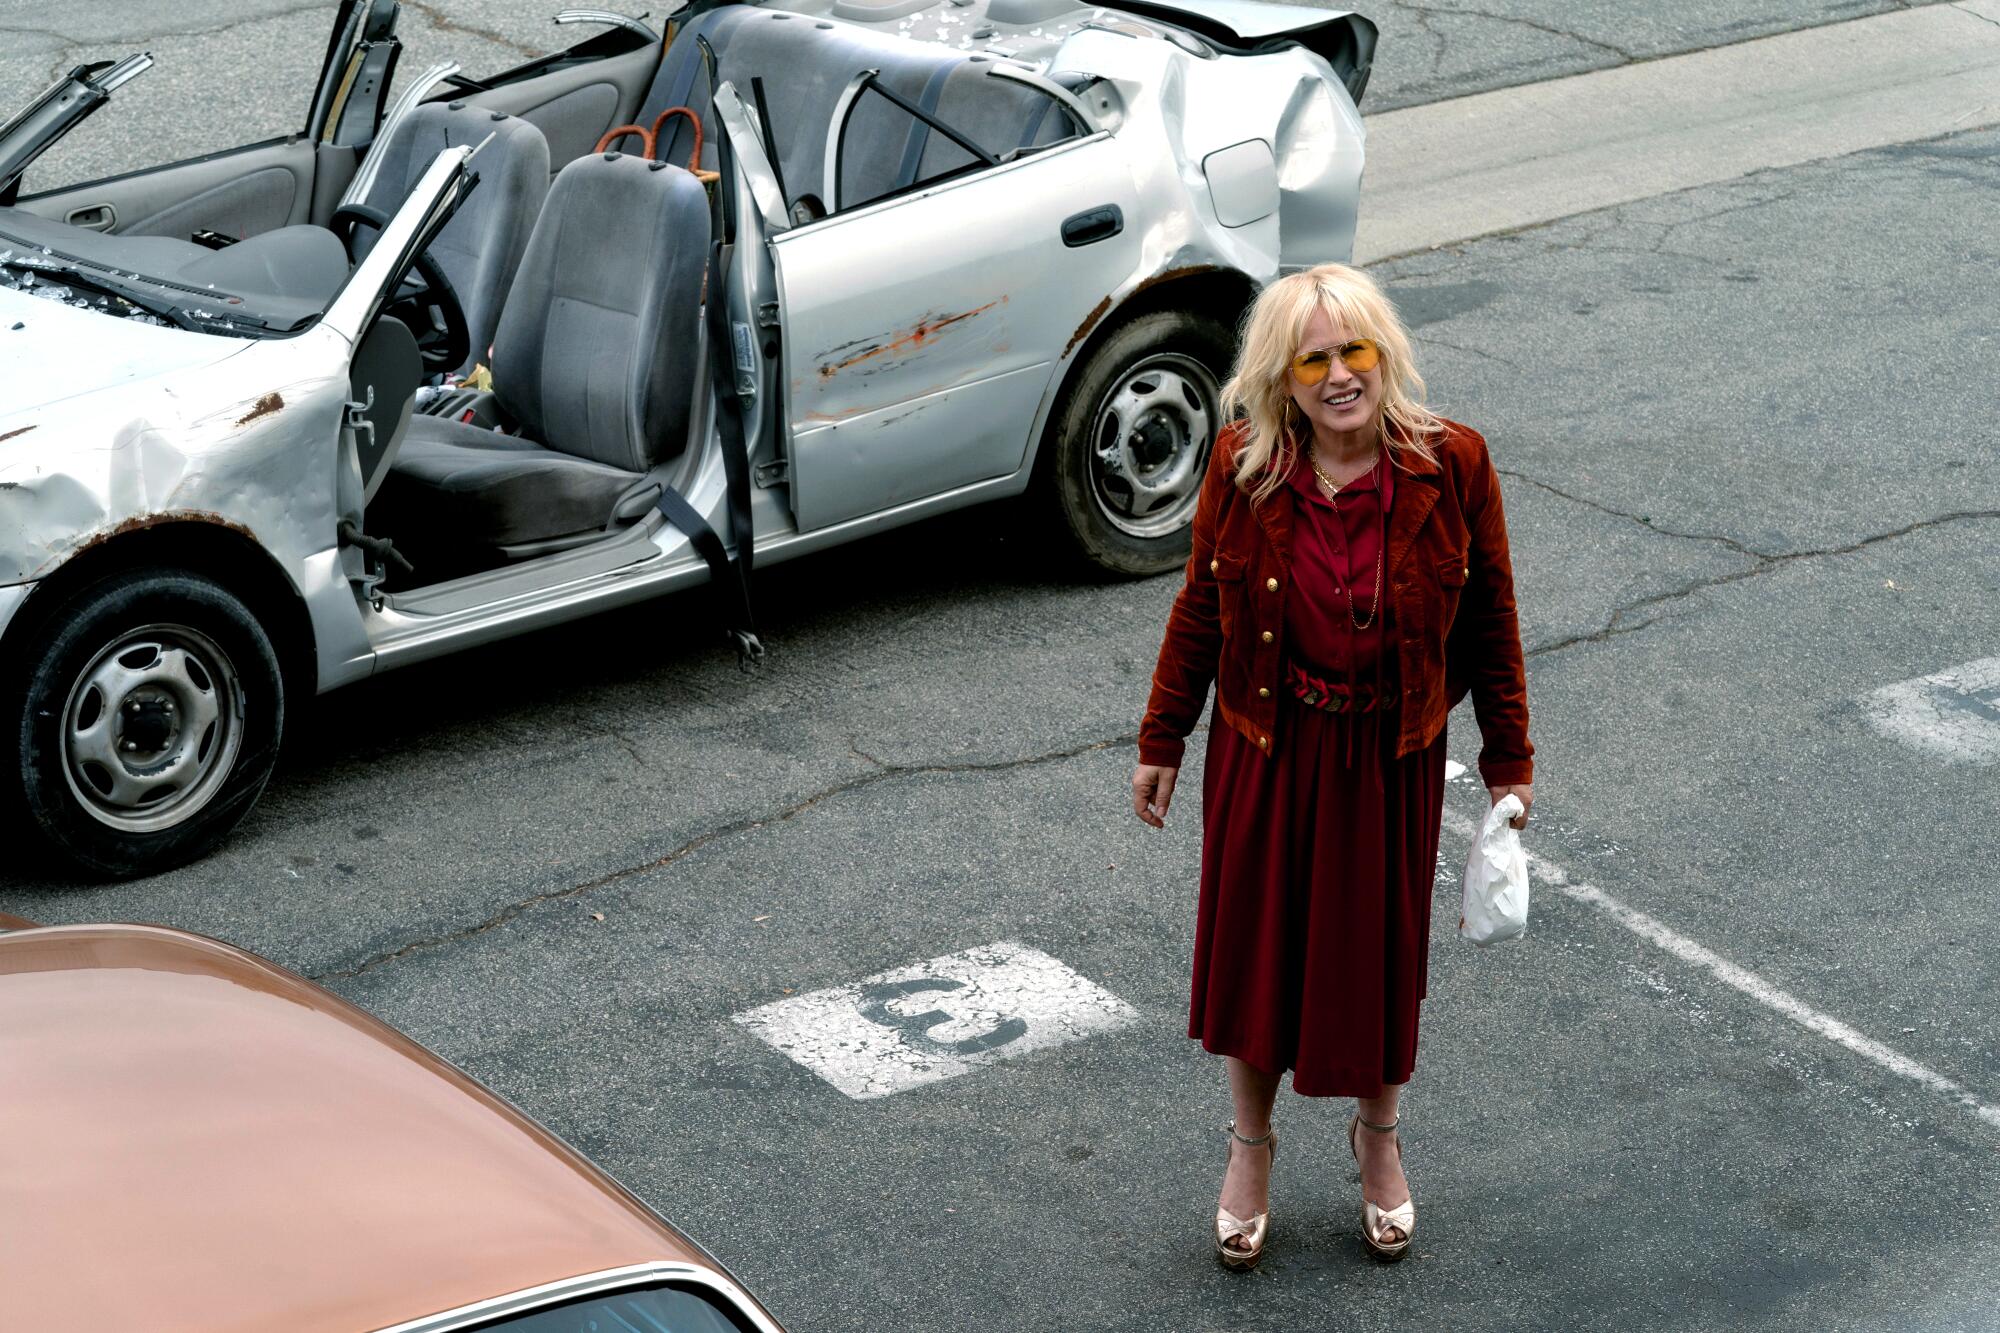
x,y
1326,480
1332,490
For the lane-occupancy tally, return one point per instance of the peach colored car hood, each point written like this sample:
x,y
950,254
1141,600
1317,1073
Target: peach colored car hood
x,y
194,1139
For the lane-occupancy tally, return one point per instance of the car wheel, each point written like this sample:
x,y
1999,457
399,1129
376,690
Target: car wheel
x,y
146,715
1129,442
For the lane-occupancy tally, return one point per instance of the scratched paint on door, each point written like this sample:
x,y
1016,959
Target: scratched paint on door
x,y
937,1019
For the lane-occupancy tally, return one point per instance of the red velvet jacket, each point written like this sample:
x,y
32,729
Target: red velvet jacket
x,y
1450,588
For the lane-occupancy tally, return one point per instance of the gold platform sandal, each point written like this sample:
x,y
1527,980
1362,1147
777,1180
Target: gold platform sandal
x,y
1376,1223
1251,1235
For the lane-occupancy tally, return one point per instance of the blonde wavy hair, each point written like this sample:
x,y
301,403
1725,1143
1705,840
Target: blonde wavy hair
x,y
1260,390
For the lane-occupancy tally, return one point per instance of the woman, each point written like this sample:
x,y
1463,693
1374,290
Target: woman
x,y
1349,584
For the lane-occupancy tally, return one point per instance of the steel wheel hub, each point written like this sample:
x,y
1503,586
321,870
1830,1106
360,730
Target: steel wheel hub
x,y
1149,442
152,727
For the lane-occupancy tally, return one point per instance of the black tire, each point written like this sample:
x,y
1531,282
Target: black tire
x,y
1079,493
169,665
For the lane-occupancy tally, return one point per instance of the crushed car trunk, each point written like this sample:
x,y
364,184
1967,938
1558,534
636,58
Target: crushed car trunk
x,y
1345,40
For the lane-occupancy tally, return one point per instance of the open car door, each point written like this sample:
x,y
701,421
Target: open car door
x,y
240,192
375,313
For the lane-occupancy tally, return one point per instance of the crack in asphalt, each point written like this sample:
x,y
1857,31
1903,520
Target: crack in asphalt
x,y
442,22
1460,347
1422,14
1616,625
156,34
1643,520
1439,42
1534,25
883,772
1779,198
1976,14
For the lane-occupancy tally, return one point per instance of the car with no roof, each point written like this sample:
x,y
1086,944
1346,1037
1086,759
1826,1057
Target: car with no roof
x,y
468,357
199,1141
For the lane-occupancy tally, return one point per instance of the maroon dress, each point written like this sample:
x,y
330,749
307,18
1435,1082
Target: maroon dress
x,y
1317,862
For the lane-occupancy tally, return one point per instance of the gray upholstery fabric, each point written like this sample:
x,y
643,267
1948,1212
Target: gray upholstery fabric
x,y
805,64
283,276
460,485
304,263
481,247
573,122
998,114
253,203
596,351
594,359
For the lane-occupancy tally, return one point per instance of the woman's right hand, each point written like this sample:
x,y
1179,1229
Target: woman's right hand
x,y
1153,792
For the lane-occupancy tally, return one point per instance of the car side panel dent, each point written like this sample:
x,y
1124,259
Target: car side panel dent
x,y
249,444
1178,110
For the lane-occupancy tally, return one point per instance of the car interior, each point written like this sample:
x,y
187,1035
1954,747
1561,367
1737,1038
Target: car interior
x,y
574,271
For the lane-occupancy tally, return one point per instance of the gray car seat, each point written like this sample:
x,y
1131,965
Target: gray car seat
x,y
594,360
806,63
480,248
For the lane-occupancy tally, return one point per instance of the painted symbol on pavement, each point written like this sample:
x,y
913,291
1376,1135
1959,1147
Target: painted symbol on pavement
x,y
916,1027
937,1019
1953,714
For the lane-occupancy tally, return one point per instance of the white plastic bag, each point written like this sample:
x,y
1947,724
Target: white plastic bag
x,y
1496,879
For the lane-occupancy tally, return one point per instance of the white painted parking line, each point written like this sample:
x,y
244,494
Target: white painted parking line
x,y
1742,979
936,1020
1953,714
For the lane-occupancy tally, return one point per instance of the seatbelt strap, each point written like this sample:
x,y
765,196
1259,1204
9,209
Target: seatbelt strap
x,y
731,576
689,55
722,367
1035,122
920,131
732,593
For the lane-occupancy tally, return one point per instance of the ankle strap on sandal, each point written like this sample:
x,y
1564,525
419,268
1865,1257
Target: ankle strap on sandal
x,y
1257,1142
1379,1129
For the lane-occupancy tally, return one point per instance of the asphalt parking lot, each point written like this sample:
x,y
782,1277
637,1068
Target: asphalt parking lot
x,y
1744,1071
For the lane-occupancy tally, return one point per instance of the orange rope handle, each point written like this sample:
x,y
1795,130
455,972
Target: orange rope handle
x,y
617,132
694,162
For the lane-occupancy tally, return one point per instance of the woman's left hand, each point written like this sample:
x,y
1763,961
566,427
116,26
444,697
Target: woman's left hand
x,y
1524,790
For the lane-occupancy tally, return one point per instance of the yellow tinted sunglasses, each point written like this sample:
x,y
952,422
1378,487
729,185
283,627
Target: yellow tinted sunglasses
x,y
1359,356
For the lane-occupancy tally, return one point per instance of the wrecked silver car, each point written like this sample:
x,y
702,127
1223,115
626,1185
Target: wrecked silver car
x,y
465,358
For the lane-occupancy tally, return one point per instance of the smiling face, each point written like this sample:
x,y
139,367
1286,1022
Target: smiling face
x,y
1347,402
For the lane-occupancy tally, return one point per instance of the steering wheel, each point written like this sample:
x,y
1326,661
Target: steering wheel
x,y
424,298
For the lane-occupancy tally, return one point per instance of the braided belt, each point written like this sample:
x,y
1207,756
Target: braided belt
x,y
1316,691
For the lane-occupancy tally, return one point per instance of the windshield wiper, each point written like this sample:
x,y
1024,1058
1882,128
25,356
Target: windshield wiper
x,y
56,279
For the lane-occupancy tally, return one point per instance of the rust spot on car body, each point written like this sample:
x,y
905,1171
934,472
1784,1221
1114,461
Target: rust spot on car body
x,y
1097,312
145,521
926,329
263,407
1171,274
1103,308
61,555
12,433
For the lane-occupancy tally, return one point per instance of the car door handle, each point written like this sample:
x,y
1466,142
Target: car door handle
x,y
95,217
1093,224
